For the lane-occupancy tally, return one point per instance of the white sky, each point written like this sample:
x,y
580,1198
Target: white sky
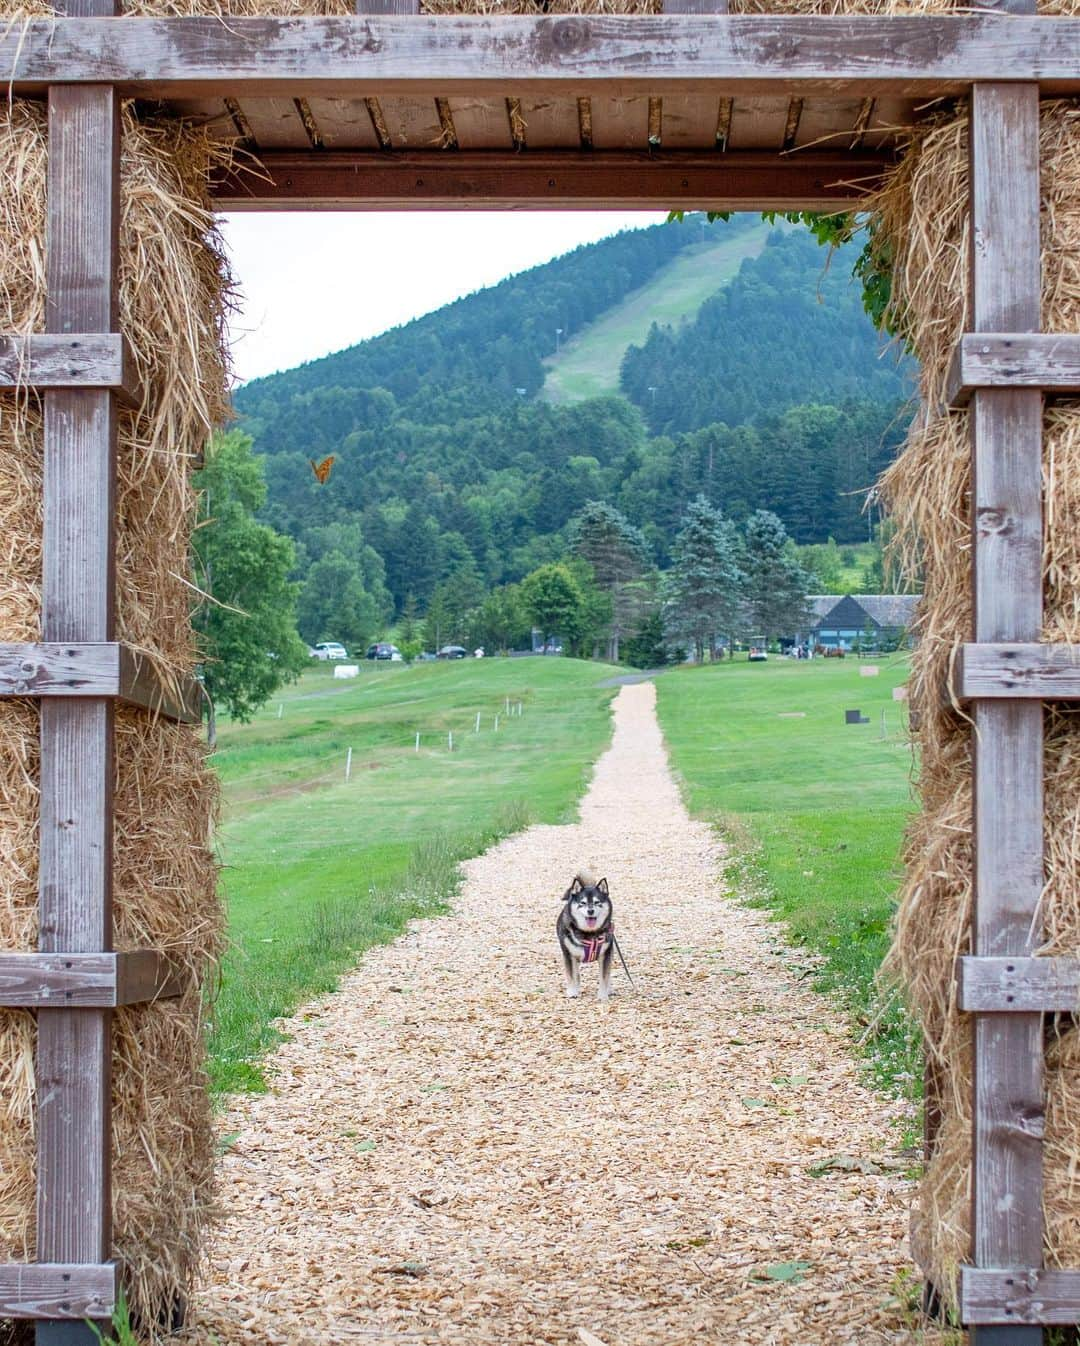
x,y
311,284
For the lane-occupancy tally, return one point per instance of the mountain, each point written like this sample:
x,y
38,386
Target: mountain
x,y
765,387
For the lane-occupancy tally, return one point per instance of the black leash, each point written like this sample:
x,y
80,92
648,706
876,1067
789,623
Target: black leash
x,y
622,960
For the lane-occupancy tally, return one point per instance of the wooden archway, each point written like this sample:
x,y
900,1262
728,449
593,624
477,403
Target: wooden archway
x,y
392,109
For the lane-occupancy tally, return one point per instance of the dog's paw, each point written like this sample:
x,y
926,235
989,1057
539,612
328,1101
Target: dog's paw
x,y
572,992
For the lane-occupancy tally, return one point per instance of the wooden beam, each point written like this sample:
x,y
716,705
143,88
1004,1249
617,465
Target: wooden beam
x,y
1043,360
1009,1298
86,980
1030,671
79,360
492,180
617,55
74,1056
1007,743
95,669
66,1290
1018,985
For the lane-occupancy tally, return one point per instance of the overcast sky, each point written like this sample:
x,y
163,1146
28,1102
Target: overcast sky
x,y
311,284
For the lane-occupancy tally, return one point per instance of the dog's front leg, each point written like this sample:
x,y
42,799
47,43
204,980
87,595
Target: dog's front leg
x,y
571,974
605,974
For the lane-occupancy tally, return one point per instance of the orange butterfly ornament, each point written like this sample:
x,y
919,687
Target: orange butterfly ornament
x,y
322,470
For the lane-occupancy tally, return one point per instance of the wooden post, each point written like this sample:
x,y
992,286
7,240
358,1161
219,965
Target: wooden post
x,y
1007,1225
74,1218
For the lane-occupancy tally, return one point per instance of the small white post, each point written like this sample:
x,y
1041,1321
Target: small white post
x,y
496,724
508,705
883,732
280,709
450,739
417,740
477,729
521,707
348,764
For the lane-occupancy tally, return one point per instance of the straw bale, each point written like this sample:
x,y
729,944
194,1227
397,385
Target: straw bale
x,y
921,218
173,298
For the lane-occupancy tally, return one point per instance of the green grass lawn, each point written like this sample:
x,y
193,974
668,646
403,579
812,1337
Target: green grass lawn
x,y
588,366
815,809
317,869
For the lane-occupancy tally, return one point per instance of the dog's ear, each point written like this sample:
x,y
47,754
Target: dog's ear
x,y
573,890
601,887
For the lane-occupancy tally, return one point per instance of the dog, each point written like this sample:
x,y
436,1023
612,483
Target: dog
x,y
586,932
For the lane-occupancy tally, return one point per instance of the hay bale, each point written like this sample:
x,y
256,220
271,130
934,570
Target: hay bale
x,y
174,291
922,225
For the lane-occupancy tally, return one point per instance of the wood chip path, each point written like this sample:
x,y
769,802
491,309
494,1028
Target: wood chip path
x,y
453,1154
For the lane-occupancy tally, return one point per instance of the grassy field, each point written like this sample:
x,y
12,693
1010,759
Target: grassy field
x,y
588,366
318,869
815,809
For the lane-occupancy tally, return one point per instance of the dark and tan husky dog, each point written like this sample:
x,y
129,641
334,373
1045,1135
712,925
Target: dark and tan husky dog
x,y
586,931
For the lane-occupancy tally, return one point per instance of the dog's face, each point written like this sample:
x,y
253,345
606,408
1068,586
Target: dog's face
x,y
589,905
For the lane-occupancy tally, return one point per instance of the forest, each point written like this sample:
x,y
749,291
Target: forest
x,y
452,476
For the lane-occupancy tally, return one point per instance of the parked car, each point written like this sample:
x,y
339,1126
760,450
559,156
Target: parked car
x,y
426,657
453,652
384,650
329,649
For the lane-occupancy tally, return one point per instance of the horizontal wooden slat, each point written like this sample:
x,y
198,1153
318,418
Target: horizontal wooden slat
x,y
100,669
85,980
1018,985
789,55
57,1290
1013,360
484,180
1020,1296
78,360
1017,671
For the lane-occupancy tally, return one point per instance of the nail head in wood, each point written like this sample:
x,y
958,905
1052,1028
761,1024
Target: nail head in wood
x,y
68,1290
86,980
69,360
1049,362
1019,1296
1018,985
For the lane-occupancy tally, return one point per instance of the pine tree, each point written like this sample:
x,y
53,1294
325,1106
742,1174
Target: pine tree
x,y
776,584
704,583
619,557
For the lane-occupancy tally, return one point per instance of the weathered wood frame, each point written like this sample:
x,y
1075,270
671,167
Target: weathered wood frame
x,y
85,63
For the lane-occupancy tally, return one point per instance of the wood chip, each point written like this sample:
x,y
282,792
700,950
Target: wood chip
x,y
584,1174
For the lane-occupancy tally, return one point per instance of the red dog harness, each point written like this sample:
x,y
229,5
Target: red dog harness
x,y
594,945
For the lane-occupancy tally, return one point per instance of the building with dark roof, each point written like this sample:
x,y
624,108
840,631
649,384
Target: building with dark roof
x,y
880,621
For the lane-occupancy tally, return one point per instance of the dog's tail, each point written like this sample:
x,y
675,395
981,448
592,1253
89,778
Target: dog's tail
x,y
587,876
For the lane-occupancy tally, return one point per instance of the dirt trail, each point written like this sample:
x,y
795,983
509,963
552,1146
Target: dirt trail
x,y
454,1153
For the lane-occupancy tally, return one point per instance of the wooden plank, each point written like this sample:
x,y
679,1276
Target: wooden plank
x,y
828,123
695,6
95,669
78,360
1007,743
74,1056
141,686
620,55
758,123
1017,670
1043,360
1015,1297
551,123
57,1290
541,181
275,123
1018,985
620,123
481,123
344,123
689,123
85,980
413,123
400,7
